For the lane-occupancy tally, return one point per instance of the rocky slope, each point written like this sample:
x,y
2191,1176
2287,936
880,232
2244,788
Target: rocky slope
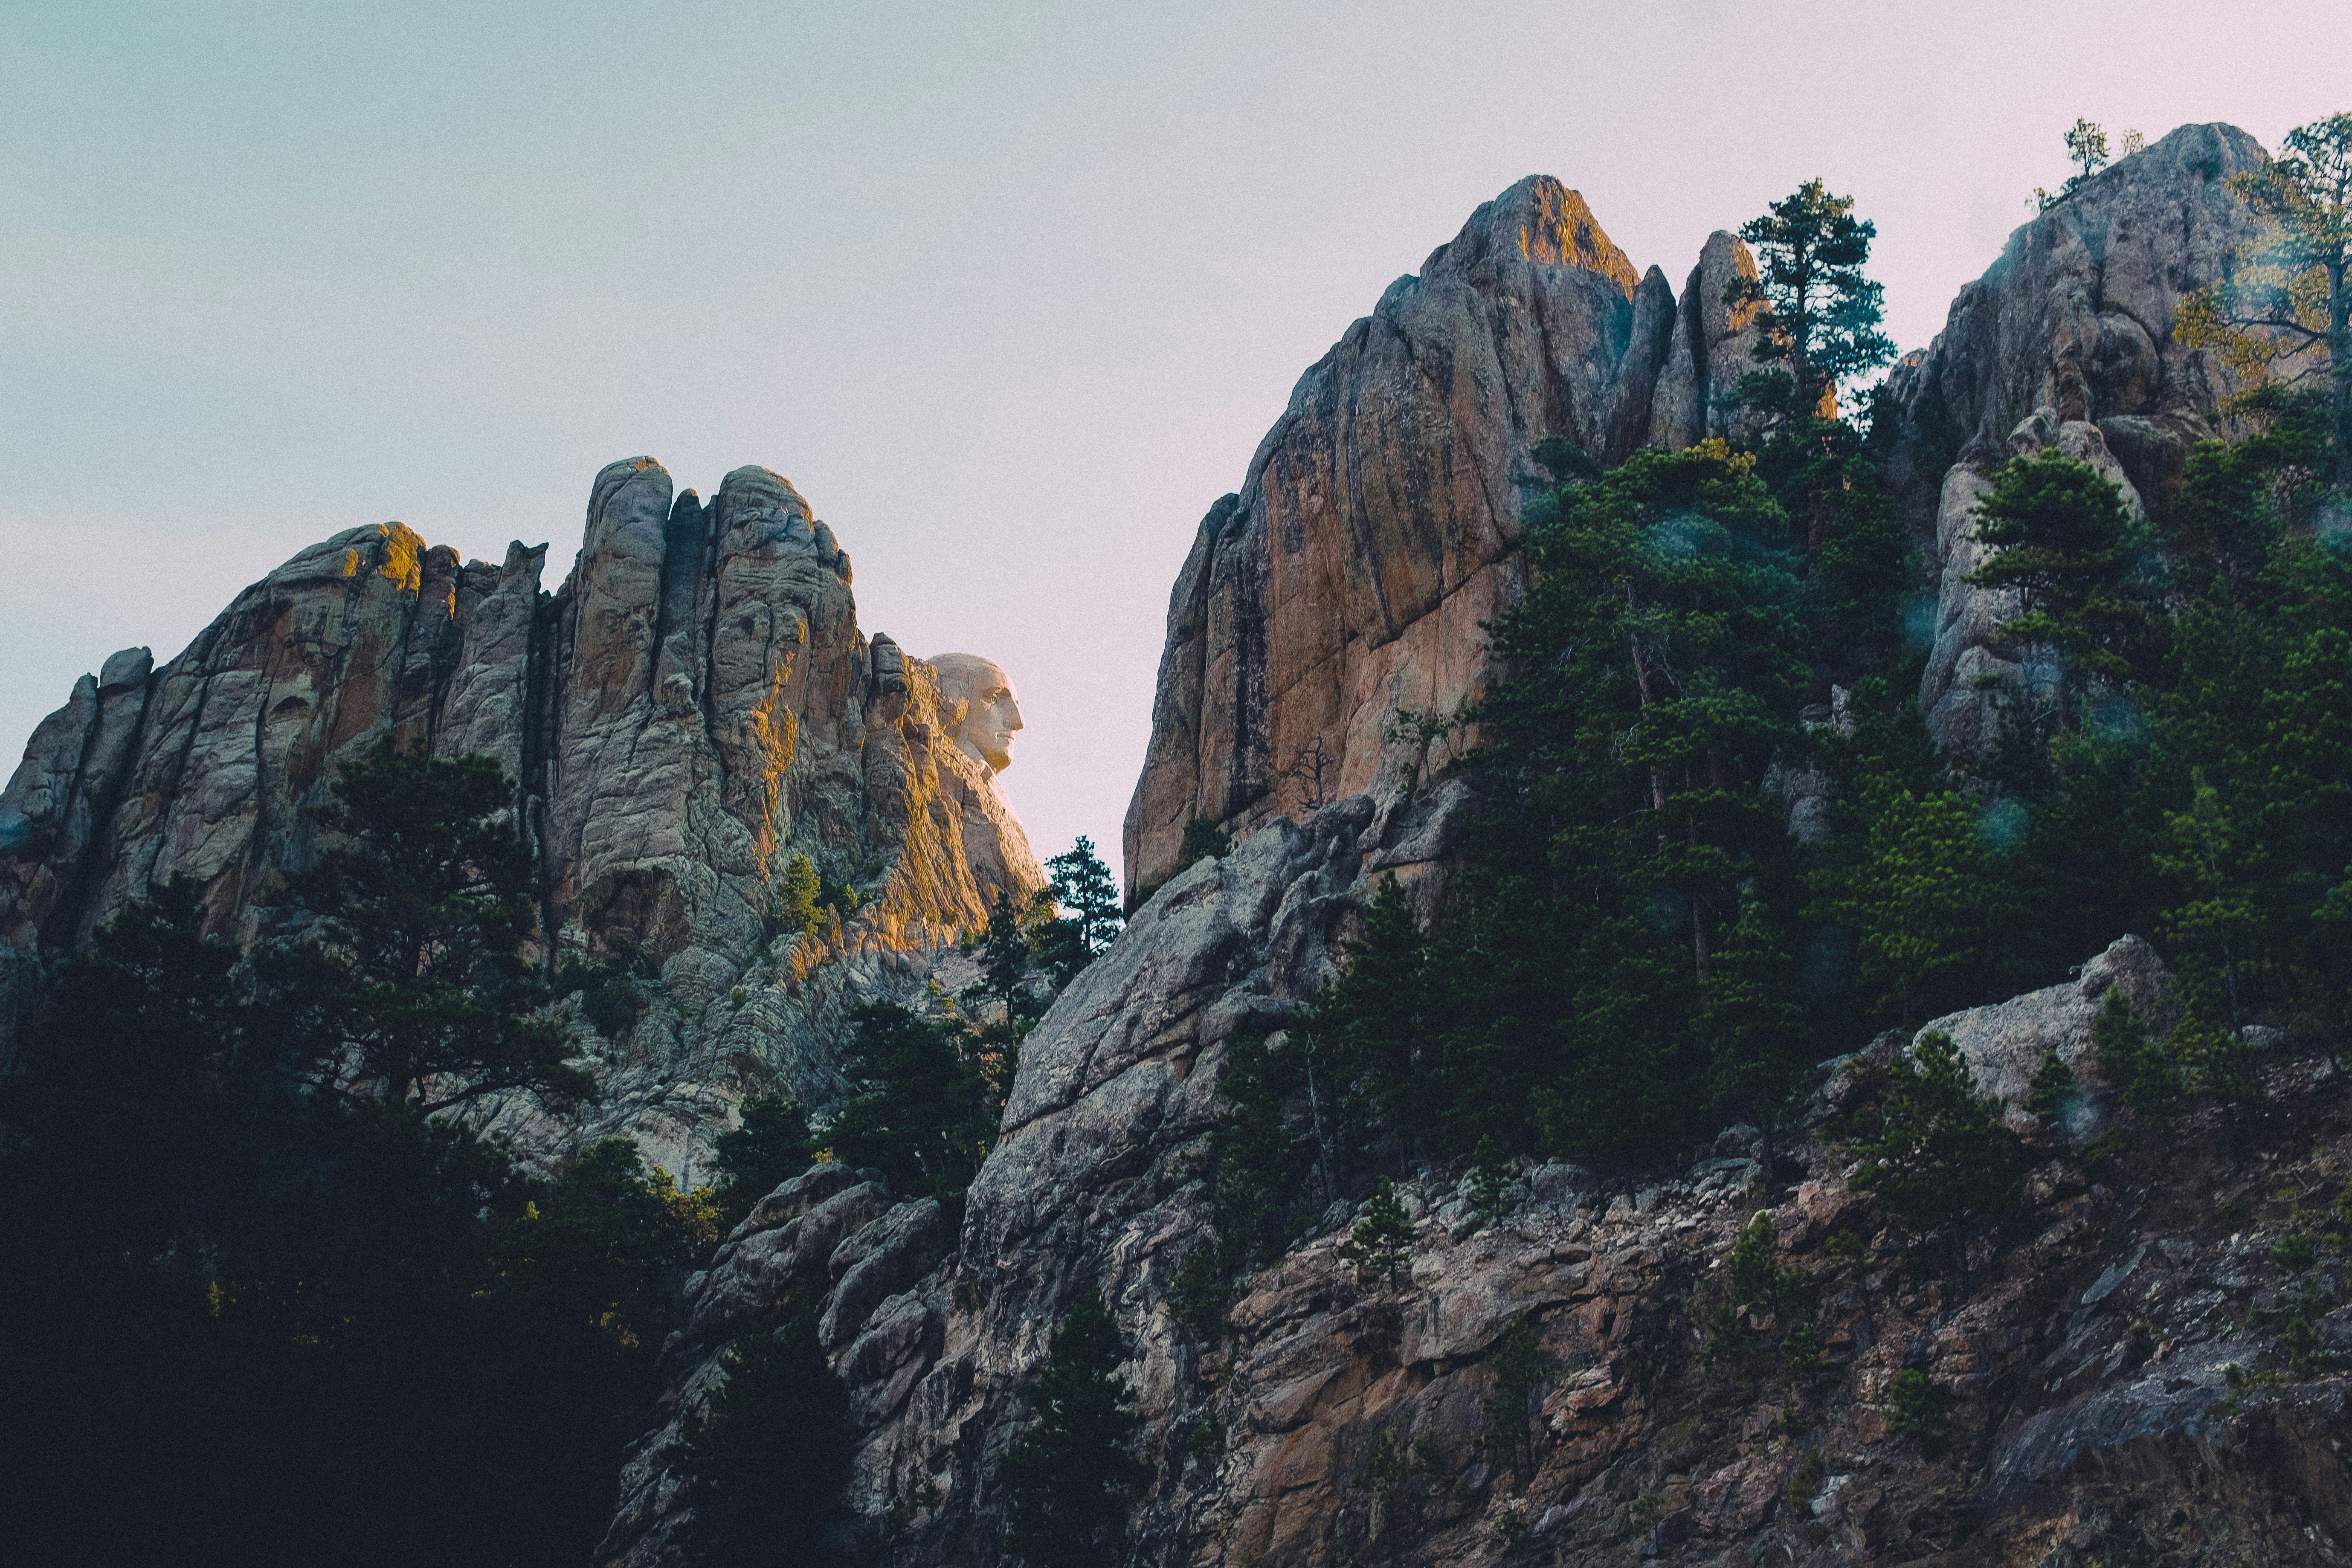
x,y
693,705
2116,1385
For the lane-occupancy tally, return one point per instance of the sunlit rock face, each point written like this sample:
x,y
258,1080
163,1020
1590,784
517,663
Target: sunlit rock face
x,y
692,707
2066,340
1379,524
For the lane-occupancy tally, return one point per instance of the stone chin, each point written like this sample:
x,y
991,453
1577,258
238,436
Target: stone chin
x,y
979,707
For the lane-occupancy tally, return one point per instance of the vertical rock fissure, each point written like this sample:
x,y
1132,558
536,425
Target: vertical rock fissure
x,y
1243,786
1695,310
99,854
199,657
531,764
707,626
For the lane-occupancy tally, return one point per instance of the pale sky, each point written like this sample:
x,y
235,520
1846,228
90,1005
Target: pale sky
x,y
1010,292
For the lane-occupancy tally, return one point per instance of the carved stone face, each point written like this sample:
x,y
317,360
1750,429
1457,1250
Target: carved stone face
x,y
976,703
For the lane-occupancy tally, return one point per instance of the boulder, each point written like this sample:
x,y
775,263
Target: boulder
x,y
2005,1043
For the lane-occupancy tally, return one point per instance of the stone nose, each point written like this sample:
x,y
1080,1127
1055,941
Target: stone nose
x,y
1012,714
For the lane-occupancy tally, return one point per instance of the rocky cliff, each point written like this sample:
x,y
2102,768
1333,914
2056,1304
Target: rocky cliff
x,y
1379,523
2067,338
694,701
2115,1387
693,705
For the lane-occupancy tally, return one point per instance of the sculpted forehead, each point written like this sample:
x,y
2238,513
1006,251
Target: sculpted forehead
x,y
968,674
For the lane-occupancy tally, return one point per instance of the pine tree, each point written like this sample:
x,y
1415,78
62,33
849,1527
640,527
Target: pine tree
x,y
2087,146
796,897
1942,1158
769,1147
922,1108
1490,1177
1661,649
2146,1077
769,1459
1517,1364
1918,897
1381,1244
1759,1039
410,986
1204,840
2062,539
1816,309
1916,1411
1006,958
1068,1478
1400,1478
1263,1157
1087,894
1757,1278
2290,296
2214,922
2054,1087
1372,1023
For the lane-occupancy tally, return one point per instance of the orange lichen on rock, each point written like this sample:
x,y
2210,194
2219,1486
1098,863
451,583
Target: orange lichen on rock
x,y
402,555
775,731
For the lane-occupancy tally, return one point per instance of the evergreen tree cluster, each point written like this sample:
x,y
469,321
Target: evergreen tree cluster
x,y
926,1086
258,1307
257,1283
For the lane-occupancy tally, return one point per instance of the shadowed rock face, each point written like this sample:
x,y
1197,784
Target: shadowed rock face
x,y
2067,339
1379,523
692,707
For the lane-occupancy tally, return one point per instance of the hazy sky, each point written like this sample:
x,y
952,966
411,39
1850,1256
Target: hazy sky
x,y
1010,291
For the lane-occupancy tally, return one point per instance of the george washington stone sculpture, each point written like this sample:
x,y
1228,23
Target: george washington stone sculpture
x,y
978,706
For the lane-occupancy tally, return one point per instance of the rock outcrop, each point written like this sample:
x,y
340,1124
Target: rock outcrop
x,y
1342,586
693,706
1379,523
2069,338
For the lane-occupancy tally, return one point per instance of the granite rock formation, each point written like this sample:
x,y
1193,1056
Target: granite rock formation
x,y
979,707
1379,523
695,702
2069,338
691,707
1341,585
1091,1181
